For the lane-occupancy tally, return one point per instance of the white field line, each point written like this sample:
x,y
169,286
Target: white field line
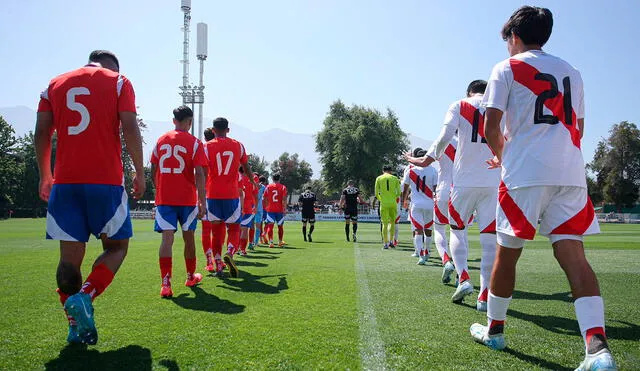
x,y
372,350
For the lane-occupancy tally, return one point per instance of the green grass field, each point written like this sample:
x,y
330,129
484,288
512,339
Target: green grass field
x,y
322,305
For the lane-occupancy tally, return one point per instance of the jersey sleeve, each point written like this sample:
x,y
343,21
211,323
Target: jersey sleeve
x,y
451,124
126,95
243,154
497,93
405,177
579,108
44,105
154,155
199,158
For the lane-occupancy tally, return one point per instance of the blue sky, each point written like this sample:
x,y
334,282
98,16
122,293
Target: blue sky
x,y
282,63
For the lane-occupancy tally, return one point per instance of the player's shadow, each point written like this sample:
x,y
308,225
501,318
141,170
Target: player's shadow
x,y
79,357
266,251
318,242
252,283
203,301
569,326
245,263
559,296
540,362
169,364
259,255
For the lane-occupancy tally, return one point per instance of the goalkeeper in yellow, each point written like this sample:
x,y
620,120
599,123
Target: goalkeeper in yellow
x,y
387,191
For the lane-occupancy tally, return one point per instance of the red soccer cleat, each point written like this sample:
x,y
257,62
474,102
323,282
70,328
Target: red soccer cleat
x,y
210,268
197,277
166,292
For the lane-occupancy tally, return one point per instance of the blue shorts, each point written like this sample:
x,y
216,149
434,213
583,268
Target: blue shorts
x,y
277,218
167,218
228,211
76,211
258,218
247,220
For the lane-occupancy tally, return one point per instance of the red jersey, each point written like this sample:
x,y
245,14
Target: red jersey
x,y
274,194
175,155
225,156
249,195
85,104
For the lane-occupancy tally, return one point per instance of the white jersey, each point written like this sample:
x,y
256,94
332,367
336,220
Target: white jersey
x,y
469,167
445,170
422,182
542,98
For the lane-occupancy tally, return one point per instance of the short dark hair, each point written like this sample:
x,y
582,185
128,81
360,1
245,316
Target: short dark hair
x,y
275,176
182,113
421,153
387,168
100,55
262,179
209,134
477,86
221,123
532,24
416,151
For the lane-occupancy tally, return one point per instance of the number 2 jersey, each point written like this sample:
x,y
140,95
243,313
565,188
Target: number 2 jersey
x,y
175,156
274,193
225,156
542,97
85,104
469,167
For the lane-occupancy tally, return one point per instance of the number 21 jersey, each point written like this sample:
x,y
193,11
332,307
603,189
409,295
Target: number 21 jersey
x,y
225,156
85,104
542,98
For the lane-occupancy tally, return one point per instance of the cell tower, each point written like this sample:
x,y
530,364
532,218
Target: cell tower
x,y
201,54
191,95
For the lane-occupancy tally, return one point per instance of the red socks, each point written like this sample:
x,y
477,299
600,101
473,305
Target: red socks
x,y
243,245
280,232
234,238
252,234
445,258
99,279
484,295
207,240
190,263
219,232
166,265
464,276
270,232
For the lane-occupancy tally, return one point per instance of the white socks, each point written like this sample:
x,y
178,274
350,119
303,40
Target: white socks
x,y
590,313
459,249
488,244
497,307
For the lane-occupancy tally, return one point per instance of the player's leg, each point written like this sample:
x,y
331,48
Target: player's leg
x,y
187,216
69,279
393,214
304,229
441,220
461,206
396,226
218,230
347,218
207,244
166,223
385,219
427,225
417,228
312,223
354,227
280,223
252,233
487,224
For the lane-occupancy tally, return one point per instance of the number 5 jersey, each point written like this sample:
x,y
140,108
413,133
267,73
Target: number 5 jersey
x,y
542,98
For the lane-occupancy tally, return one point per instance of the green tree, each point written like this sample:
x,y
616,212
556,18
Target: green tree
x,y
127,164
616,164
28,197
259,165
293,172
10,167
356,142
323,195
595,192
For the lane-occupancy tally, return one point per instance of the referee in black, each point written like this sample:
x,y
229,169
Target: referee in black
x,y
308,202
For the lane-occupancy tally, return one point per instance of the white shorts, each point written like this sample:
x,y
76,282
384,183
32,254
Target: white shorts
x,y
563,212
441,206
465,200
421,218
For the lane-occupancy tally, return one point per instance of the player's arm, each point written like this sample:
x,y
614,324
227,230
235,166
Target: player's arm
x,y
201,179
42,143
493,135
284,200
342,200
154,172
495,99
133,143
405,194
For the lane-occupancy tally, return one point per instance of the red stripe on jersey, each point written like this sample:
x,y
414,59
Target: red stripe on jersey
x,y
525,74
579,223
467,111
450,151
491,228
453,213
420,186
519,223
442,219
414,222
428,225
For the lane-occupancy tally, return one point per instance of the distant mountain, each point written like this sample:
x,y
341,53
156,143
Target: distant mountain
x,y
268,144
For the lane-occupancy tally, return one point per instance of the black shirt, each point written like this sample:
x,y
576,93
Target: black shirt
x,y
308,200
351,197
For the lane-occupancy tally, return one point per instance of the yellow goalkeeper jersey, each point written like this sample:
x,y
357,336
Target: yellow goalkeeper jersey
x,y
387,190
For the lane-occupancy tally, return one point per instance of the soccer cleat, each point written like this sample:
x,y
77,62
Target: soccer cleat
x,y
282,244
423,260
464,289
446,272
79,307
166,292
355,239
385,247
600,361
73,337
210,268
480,334
481,306
233,270
395,243
242,253
309,237
271,245
250,247
197,277
305,237
415,255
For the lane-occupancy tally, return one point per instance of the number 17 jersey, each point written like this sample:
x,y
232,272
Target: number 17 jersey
x,y
542,98
225,156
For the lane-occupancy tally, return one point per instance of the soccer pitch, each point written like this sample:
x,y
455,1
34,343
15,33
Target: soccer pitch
x,y
329,304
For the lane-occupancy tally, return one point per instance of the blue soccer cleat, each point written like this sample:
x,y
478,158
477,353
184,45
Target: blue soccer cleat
x,y
80,308
600,361
480,333
73,337
446,272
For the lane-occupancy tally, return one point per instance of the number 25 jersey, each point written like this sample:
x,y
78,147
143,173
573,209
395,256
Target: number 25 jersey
x,y
225,156
175,155
85,104
542,98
